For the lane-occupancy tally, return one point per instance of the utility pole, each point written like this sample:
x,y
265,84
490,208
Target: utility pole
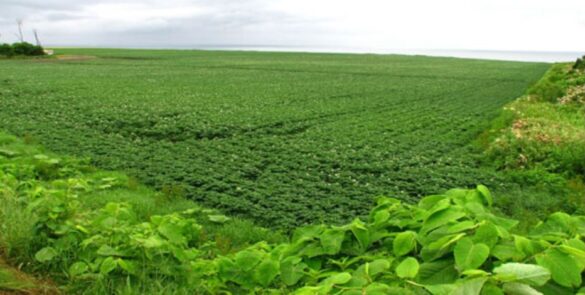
x,y
20,36
37,37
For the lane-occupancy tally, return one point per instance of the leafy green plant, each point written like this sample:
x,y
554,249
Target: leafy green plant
x,y
450,243
579,64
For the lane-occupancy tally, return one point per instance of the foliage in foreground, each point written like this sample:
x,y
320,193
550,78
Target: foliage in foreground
x,y
446,244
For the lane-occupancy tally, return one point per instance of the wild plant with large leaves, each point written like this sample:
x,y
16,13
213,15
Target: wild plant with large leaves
x,y
446,244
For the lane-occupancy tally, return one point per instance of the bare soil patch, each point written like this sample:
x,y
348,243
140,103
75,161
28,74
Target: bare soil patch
x,y
67,57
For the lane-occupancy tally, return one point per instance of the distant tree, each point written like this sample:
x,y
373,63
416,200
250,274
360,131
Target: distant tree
x,y
25,48
579,64
6,50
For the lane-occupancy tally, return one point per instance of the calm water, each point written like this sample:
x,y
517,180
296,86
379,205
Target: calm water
x,y
541,56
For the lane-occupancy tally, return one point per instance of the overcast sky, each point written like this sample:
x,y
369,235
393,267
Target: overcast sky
x,y
532,25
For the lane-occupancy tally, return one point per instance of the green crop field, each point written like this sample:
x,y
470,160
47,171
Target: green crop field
x,y
281,138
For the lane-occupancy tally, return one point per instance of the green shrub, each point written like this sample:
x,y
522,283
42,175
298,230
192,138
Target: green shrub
x,y
579,64
6,50
21,48
24,48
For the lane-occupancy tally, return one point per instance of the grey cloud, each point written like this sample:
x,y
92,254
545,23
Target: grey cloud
x,y
331,23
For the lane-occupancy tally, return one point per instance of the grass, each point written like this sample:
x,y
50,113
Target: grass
x,y
538,143
279,138
14,281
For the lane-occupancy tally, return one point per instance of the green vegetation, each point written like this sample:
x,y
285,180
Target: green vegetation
x,y
283,139
287,140
20,49
540,139
579,64
446,244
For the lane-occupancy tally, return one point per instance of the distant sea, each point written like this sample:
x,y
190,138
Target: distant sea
x,y
529,56
534,56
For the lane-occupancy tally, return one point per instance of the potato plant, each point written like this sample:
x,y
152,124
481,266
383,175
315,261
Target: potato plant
x,y
285,139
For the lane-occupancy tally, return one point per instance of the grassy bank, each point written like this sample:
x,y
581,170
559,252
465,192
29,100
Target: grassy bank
x,y
538,142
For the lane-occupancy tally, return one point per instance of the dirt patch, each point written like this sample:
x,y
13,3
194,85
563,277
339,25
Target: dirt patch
x,y
67,57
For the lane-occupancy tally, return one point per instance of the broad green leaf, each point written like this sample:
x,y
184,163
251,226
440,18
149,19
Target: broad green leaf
x,y
437,272
408,268
441,289
577,253
461,226
469,255
307,232
381,216
127,265
292,270
524,245
470,287
485,194
530,274
576,243
507,252
562,266
106,250
380,289
172,232
552,288
490,289
505,223
78,268
153,242
108,265
266,271
361,233
487,234
227,268
442,217
317,290
218,218
519,289
404,243
337,279
46,254
431,201
248,259
440,248
377,266
475,273
331,240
